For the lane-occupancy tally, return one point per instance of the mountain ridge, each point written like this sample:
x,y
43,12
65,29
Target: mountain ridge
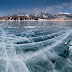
x,y
44,16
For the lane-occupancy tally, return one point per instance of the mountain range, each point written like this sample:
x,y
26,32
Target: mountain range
x,y
43,15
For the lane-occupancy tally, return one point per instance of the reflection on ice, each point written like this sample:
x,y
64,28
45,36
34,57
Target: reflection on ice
x,y
35,48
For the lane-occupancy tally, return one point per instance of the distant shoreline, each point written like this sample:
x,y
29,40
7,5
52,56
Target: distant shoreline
x,y
25,18
38,17
36,20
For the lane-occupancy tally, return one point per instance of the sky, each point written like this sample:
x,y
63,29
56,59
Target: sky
x,y
9,7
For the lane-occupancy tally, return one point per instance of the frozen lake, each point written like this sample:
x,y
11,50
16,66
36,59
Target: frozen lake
x,y
32,46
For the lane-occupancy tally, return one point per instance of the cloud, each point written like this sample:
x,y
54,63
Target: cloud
x,y
64,7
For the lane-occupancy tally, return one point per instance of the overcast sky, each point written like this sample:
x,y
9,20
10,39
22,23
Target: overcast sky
x,y
9,7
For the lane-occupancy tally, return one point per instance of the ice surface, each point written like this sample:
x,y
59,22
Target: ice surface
x,y
35,48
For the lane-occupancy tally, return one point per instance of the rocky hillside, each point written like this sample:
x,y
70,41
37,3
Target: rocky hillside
x,y
47,16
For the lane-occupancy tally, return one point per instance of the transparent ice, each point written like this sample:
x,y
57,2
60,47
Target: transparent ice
x,y
35,46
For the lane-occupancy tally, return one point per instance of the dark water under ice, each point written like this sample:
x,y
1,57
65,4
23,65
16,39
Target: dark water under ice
x,y
32,46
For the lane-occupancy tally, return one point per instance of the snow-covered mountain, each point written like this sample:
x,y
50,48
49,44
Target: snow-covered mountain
x,y
46,15
43,15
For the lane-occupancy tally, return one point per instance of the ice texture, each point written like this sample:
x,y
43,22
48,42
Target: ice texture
x,y
43,48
